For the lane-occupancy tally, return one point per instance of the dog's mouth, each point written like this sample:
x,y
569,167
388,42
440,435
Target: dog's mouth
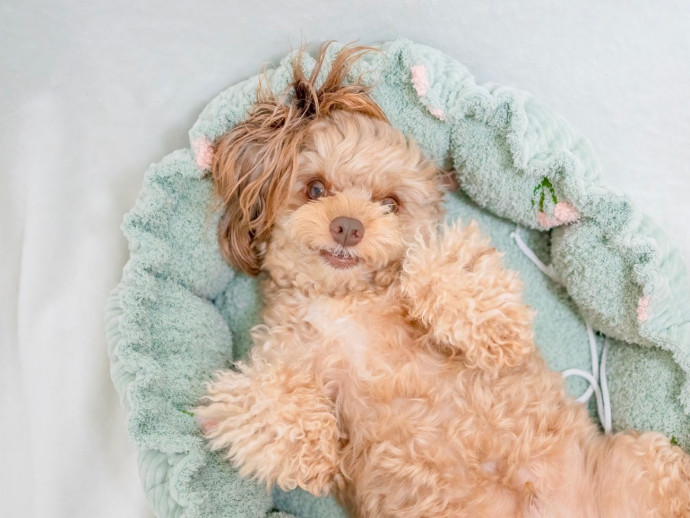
x,y
339,259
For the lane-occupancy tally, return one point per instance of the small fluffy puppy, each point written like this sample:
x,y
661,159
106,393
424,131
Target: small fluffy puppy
x,y
395,366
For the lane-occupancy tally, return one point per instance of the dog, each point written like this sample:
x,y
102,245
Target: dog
x,y
395,366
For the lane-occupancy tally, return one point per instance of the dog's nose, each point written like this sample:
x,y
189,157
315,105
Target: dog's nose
x,y
347,231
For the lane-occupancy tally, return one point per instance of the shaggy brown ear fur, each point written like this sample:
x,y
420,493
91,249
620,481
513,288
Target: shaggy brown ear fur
x,y
253,164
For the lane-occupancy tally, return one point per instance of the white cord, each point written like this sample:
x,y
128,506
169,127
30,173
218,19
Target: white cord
x,y
598,375
592,383
547,270
605,388
595,366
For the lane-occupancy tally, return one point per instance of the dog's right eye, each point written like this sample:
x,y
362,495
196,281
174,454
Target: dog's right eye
x,y
316,189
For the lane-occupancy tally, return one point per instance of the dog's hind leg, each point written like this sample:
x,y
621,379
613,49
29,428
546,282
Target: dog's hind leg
x,y
455,285
275,423
640,475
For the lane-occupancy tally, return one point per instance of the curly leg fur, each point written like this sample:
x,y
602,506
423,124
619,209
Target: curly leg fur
x,y
640,475
456,287
276,425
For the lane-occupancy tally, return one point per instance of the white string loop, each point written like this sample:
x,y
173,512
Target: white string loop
x,y
598,384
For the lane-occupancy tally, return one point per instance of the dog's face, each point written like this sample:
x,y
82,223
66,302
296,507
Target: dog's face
x,y
317,188
360,189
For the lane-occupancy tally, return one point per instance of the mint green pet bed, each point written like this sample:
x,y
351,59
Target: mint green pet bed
x,y
181,312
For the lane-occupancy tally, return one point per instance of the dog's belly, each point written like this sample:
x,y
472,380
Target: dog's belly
x,y
419,451
425,436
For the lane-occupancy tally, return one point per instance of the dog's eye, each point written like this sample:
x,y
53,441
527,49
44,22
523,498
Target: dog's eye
x,y
390,203
316,189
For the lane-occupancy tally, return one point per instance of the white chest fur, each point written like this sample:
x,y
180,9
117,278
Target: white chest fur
x,y
345,327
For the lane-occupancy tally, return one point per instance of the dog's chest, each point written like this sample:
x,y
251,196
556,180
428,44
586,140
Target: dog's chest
x,y
362,336
344,329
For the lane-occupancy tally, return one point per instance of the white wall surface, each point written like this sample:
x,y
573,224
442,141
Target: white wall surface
x,y
92,92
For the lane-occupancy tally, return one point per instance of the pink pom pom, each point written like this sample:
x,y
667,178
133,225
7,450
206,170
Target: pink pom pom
x,y
203,151
438,113
420,81
565,212
546,221
642,307
562,213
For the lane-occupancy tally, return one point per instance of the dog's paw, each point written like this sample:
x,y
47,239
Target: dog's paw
x,y
454,284
444,268
275,426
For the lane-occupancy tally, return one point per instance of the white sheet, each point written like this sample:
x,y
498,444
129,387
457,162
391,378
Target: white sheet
x,y
92,92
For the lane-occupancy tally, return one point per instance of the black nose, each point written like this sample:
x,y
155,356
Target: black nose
x,y
347,231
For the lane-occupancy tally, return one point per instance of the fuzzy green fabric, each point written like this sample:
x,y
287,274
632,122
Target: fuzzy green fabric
x,y
180,312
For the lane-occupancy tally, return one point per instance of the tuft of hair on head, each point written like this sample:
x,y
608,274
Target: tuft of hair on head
x,y
254,163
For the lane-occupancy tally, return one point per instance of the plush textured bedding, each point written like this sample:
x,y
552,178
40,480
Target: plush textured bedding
x,y
180,312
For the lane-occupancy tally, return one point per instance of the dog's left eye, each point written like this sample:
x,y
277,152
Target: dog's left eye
x,y
390,203
316,189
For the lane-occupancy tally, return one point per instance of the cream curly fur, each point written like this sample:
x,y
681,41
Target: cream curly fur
x,y
408,384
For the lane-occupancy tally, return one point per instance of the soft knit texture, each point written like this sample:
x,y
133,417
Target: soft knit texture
x,y
181,312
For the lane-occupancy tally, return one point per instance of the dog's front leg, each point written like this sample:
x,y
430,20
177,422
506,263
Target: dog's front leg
x,y
275,423
457,289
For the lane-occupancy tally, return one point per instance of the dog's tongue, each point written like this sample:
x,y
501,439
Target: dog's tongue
x,y
339,261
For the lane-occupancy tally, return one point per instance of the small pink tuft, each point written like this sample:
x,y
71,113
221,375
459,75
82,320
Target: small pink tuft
x,y
642,307
546,221
420,81
203,151
562,213
438,113
565,212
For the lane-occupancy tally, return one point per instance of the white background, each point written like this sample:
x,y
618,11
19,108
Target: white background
x,y
92,92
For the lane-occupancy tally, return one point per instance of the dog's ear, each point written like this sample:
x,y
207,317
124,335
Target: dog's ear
x,y
253,165
253,169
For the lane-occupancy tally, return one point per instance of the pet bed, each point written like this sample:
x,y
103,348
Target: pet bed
x,y
587,256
